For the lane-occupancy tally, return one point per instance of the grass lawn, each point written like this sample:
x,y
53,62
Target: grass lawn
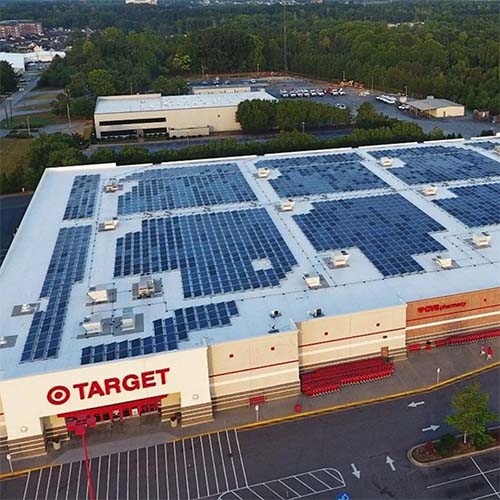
x,y
45,95
13,152
37,120
34,105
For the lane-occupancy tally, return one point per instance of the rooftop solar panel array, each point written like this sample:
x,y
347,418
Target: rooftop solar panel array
x,y
487,145
439,164
215,252
475,206
82,197
197,186
387,229
167,333
67,266
323,174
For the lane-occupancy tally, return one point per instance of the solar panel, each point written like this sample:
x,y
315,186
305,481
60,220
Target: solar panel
x,y
486,145
66,267
310,175
166,332
214,252
439,164
194,186
475,206
82,197
388,229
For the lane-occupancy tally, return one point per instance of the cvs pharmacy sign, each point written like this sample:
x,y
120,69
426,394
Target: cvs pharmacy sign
x,y
60,394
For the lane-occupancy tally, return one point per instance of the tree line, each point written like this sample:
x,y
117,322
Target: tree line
x,y
448,49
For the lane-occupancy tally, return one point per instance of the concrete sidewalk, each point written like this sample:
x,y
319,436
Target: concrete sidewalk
x,y
419,371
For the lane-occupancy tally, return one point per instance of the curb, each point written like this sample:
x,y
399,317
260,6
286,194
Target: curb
x,y
306,414
409,456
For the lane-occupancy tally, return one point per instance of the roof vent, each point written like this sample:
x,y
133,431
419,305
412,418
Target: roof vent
x,y
430,190
92,324
312,281
287,205
263,173
128,319
385,161
481,239
98,295
317,313
444,262
146,286
339,259
110,225
111,186
3,340
275,313
25,308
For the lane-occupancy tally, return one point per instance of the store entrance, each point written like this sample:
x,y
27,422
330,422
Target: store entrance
x,y
113,413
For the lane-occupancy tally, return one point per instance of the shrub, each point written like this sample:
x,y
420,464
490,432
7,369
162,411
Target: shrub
x,y
447,445
481,441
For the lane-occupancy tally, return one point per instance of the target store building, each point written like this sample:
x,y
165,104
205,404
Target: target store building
x,y
183,290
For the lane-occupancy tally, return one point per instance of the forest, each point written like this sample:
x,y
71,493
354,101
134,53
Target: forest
x,y
445,48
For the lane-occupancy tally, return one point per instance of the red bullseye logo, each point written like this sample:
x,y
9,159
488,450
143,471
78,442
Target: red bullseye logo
x,y
58,395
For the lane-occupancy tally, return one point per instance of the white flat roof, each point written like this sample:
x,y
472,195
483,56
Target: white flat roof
x,y
433,103
360,286
155,102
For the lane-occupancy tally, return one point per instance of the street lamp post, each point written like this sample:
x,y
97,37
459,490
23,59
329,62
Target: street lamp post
x,y
406,90
303,127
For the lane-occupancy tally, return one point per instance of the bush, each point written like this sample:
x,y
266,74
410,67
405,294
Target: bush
x,y
447,445
481,441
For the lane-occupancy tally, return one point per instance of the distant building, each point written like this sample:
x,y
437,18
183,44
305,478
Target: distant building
x,y
177,116
19,60
223,89
146,2
436,108
17,29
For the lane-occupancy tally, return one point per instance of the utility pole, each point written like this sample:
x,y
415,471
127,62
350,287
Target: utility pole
x,y
68,94
28,125
131,88
372,83
285,50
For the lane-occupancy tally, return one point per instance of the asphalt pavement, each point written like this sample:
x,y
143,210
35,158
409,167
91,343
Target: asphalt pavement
x,y
317,457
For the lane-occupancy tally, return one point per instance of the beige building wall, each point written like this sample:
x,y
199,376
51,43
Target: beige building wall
x,y
448,111
263,366
333,339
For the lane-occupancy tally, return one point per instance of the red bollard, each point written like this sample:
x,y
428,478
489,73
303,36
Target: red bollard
x,y
297,408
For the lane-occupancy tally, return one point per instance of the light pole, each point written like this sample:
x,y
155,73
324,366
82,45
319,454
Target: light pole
x,y
68,95
9,459
406,90
303,127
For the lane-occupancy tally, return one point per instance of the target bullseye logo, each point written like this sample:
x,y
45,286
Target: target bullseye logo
x,y
58,395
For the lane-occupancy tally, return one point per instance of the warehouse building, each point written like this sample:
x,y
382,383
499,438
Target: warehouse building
x,y
182,290
21,60
436,108
177,116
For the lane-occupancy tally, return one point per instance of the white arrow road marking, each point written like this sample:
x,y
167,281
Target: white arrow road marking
x,y
431,428
414,404
390,462
356,471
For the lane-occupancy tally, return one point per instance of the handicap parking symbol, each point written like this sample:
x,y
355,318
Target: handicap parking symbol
x,y
343,495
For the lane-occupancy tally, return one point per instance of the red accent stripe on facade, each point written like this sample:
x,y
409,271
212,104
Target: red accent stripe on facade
x,y
352,337
456,312
255,368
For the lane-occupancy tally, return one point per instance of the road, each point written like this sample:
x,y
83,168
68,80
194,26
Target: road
x,y
312,457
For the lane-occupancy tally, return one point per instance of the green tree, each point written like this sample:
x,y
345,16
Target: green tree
x,y
181,63
101,82
471,413
170,86
8,78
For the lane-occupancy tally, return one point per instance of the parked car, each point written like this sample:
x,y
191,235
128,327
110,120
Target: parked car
x,y
253,80
341,106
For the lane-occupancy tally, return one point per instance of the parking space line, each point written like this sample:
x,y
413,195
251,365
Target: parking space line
x,y
48,484
98,475
185,469
26,486
58,481
306,485
318,479
167,472
204,464
271,489
232,459
456,480
176,470
67,483
340,479
484,496
107,478
128,475
213,463
157,473
118,476
497,493
288,487
137,473
241,457
78,481
195,470
38,483
147,473
222,459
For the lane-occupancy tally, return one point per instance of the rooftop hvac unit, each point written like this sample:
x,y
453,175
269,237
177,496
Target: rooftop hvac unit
x,y
3,341
111,186
444,262
275,313
340,259
110,225
146,286
98,296
287,205
317,313
312,281
481,239
385,161
128,319
25,308
92,324
263,173
430,190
